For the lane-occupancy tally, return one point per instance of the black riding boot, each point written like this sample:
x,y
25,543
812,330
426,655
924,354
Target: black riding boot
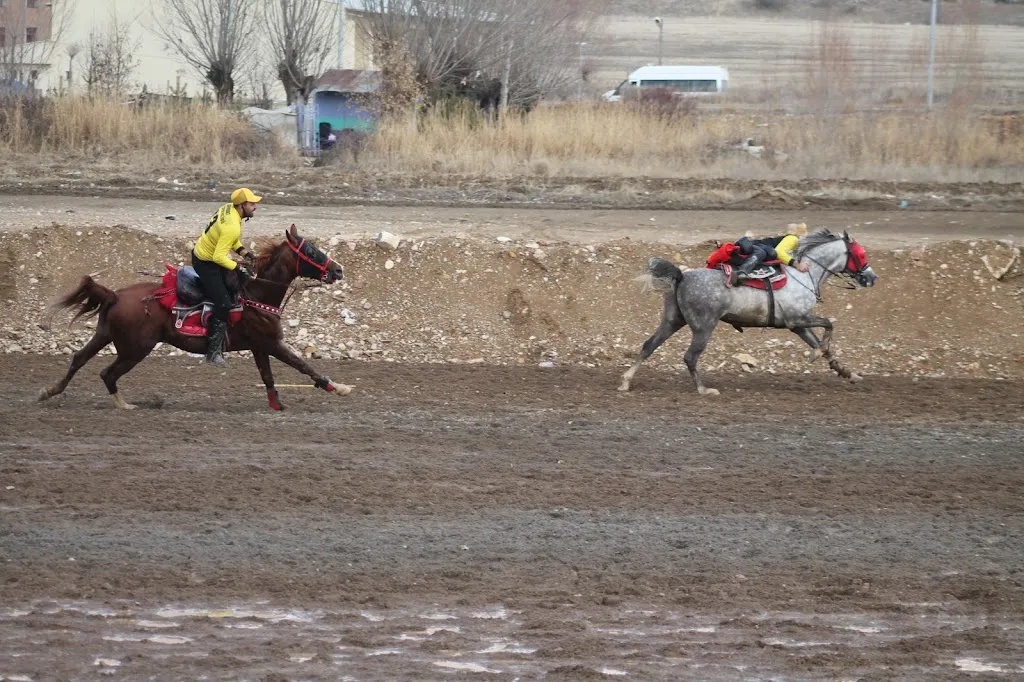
x,y
742,272
215,350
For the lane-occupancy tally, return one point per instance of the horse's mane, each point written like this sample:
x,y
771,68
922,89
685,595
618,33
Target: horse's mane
x,y
265,250
816,239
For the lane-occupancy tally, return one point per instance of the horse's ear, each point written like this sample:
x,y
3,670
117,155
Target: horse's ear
x,y
292,235
846,235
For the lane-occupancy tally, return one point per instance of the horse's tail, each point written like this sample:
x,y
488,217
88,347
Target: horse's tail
x,y
660,275
88,299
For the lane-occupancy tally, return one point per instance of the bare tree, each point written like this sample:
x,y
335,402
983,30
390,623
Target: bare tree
x,y
526,45
257,85
213,36
110,60
29,37
302,35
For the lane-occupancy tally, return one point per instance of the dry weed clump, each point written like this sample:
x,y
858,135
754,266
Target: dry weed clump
x,y
105,128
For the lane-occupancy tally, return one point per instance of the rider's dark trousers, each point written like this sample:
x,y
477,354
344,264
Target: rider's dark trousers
x,y
752,248
213,278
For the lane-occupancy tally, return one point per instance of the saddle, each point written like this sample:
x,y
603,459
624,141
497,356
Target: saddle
x,y
769,272
182,295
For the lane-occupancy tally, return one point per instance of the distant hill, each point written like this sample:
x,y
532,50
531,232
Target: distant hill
x,y
996,12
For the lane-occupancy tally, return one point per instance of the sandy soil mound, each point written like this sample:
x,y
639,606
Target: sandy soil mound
x,y
936,311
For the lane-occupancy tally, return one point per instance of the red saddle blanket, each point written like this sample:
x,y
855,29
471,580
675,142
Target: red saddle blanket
x,y
191,319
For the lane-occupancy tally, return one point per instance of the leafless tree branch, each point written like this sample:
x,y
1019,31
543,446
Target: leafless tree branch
x,y
213,36
302,35
110,59
531,43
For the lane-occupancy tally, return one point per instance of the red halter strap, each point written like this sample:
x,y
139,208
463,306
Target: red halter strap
x,y
322,269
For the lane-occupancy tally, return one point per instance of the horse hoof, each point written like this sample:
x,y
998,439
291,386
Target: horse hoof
x,y
43,395
709,391
624,387
121,404
855,378
340,389
815,354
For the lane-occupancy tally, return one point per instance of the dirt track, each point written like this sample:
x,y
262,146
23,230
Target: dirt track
x,y
876,228
504,521
531,523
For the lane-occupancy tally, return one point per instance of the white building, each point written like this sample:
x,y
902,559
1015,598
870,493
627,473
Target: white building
x,y
160,69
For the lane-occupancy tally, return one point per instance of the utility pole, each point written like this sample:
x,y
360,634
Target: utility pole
x,y
661,35
341,34
931,55
506,76
581,72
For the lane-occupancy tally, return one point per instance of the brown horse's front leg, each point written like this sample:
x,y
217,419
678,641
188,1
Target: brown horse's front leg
x,y
262,359
285,355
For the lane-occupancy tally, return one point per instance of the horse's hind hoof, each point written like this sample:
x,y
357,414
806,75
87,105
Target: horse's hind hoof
x,y
624,387
43,396
709,391
855,378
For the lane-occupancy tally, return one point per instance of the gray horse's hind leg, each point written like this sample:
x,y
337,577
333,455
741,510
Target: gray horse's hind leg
x,y
697,346
671,322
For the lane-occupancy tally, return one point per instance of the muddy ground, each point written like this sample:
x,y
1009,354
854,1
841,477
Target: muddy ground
x,y
530,523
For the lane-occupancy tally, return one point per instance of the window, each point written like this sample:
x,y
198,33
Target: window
x,y
684,85
33,76
30,34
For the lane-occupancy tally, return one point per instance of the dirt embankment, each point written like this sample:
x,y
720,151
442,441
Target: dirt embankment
x,y
936,311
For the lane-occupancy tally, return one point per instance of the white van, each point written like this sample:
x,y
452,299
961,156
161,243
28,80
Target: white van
x,y
685,80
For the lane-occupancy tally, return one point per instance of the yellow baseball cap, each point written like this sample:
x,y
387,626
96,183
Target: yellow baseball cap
x,y
240,196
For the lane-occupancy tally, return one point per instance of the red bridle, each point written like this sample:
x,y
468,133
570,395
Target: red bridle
x,y
324,269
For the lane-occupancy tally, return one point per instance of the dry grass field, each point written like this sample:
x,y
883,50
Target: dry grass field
x,y
771,59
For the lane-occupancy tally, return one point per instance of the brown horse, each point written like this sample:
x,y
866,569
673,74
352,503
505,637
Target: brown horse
x,y
134,321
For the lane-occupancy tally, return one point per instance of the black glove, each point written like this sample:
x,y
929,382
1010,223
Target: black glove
x,y
244,273
249,257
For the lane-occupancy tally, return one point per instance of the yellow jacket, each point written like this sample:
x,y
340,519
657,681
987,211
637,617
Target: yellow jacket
x,y
785,248
222,236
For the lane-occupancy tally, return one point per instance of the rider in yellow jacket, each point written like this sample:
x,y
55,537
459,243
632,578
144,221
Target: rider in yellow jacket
x,y
212,263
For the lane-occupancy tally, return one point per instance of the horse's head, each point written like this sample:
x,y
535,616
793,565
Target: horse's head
x,y
311,262
838,255
857,263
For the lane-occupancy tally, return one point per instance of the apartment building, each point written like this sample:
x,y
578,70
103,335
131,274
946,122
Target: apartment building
x,y
26,48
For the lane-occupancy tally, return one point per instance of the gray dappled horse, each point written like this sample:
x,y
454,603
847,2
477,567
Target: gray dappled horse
x,y
700,298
